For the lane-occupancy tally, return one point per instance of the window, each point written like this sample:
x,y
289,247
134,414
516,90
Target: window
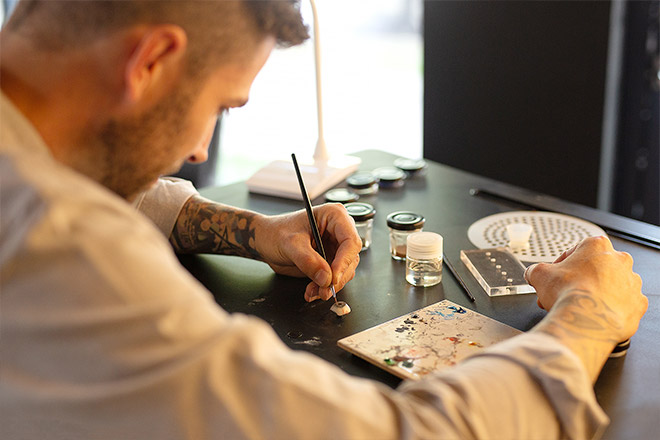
x,y
372,80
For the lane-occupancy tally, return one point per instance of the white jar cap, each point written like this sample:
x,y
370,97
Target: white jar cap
x,y
424,245
519,234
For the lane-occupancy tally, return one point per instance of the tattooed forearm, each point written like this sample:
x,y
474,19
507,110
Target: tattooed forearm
x,y
582,315
204,226
586,325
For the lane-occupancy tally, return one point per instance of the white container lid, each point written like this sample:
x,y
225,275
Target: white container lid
x,y
519,235
424,245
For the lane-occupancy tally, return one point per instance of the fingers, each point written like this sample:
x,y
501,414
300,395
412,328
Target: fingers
x,y
591,242
540,276
347,274
335,223
626,258
342,245
312,265
312,292
344,264
592,265
538,303
534,272
566,253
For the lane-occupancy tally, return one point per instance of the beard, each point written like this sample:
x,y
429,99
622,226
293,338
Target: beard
x,y
134,152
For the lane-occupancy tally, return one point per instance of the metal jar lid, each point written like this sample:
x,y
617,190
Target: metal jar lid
x,y
361,180
389,175
410,166
405,221
360,211
341,195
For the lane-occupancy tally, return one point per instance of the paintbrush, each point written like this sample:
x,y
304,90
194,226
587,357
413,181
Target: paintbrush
x,y
312,220
458,278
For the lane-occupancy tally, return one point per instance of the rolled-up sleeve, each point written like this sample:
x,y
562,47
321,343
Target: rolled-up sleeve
x,y
163,202
530,386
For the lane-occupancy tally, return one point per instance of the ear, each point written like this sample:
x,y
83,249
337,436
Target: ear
x,y
155,62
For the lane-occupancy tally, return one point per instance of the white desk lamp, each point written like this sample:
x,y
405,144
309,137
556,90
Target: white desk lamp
x,y
321,172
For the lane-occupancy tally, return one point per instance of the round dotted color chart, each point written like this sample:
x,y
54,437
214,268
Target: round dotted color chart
x,y
552,233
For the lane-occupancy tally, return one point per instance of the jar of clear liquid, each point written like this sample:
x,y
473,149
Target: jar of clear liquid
x,y
424,259
363,215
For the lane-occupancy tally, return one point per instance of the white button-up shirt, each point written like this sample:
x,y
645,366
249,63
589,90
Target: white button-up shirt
x,y
103,335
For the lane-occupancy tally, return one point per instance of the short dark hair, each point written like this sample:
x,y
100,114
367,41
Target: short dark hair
x,y
215,28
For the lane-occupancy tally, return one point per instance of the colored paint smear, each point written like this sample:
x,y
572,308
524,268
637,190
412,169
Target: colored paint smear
x,y
475,344
389,361
407,363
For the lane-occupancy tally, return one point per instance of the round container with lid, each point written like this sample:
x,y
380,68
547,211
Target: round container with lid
x,y
363,183
363,215
341,195
411,167
424,259
390,177
401,224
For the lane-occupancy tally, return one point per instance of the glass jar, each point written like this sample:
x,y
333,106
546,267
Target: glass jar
x,y
424,259
363,215
390,177
401,224
341,195
363,183
413,168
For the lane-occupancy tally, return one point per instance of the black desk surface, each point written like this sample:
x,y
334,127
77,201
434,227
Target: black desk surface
x,y
628,388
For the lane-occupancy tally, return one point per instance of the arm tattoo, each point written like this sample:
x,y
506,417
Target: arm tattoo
x,y
586,316
586,325
204,226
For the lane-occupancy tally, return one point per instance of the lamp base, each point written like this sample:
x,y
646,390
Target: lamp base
x,y
278,178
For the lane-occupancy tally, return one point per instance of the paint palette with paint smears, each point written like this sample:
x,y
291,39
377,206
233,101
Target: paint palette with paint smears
x,y
427,340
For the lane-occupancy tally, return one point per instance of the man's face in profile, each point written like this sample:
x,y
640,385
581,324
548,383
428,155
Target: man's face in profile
x,y
141,148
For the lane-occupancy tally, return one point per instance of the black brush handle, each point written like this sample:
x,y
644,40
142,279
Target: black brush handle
x,y
308,208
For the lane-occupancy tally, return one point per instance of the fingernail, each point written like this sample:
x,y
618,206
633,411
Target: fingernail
x,y
321,278
314,298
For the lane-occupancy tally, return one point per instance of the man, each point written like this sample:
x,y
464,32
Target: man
x,y
104,335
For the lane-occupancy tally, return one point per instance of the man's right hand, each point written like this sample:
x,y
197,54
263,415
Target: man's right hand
x,y
594,299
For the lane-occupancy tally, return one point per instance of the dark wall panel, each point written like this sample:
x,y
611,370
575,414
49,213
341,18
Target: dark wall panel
x,y
637,181
515,91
